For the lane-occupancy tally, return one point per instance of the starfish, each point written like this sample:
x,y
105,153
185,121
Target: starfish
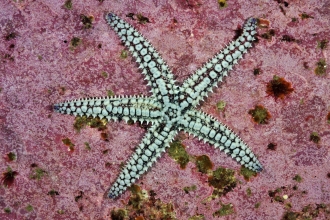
x,y
171,107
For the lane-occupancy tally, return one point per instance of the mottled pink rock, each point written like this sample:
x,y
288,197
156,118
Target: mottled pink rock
x,y
37,62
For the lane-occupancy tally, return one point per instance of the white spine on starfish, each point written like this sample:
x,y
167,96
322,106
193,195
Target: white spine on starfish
x,y
207,128
113,108
152,146
211,73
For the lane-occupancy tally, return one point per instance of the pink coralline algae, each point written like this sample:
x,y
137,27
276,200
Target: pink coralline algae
x,y
52,51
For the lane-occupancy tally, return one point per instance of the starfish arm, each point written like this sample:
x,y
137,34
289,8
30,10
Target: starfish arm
x,y
126,108
156,71
151,147
196,87
207,128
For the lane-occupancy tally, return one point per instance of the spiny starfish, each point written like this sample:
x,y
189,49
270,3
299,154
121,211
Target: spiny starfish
x,y
170,108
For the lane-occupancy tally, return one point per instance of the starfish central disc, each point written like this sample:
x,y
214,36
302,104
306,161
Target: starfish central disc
x,y
172,113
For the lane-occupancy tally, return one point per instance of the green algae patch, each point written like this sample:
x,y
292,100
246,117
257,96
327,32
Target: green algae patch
x,y
68,4
268,35
223,181
79,197
143,205
104,74
75,42
256,71
67,142
203,163
248,192
53,193
304,16
188,189
247,173
314,137
29,208
37,173
118,214
197,217
221,105
11,156
226,209
123,54
142,19
290,216
60,211
297,178
81,122
321,67
260,114
110,93
87,146
323,44
222,4
309,212
137,197
178,152
10,36
87,21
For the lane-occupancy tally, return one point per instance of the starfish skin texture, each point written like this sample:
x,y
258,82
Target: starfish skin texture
x,y
170,108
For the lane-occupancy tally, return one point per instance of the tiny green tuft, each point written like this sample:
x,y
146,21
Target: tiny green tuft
x,y
187,189
221,105
226,209
11,156
260,114
104,74
110,93
38,173
304,15
297,178
87,21
178,152
248,192
75,41
53,193
222,3
247,173
323,44
315,137
68,143
223,180
123,54
29,208
87,146
68,4
203,163
321,67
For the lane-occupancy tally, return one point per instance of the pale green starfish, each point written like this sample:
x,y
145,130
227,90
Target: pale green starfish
x,y
170,108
